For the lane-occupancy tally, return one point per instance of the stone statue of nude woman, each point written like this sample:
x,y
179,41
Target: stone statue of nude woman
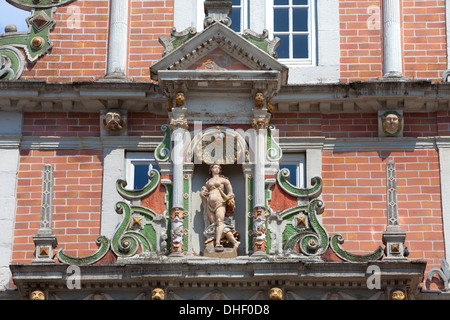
x,y
219,206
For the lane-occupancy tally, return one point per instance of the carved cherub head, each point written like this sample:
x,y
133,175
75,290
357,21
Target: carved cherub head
x,y
158,294
37,295
180,99
397,294
275,294
392,122
259,100
113,121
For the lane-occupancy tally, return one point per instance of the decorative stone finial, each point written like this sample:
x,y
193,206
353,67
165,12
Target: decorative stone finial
x,y
217,11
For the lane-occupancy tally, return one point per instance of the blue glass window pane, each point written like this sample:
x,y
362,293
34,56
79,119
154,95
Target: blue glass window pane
x,y
300,2
280,2
300,19
293,172
236,19
283,49
141,175
236,2
281,20
300,46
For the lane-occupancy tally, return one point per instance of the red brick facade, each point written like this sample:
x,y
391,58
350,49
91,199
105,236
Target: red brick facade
x,y
354,189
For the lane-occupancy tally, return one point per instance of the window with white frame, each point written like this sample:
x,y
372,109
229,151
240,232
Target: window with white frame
x,y
138,164
239,15
296,164
294,23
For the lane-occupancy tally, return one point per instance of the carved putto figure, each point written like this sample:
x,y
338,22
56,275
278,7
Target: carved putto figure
x,y
219,207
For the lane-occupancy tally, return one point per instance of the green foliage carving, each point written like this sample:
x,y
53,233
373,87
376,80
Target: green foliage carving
x,y
162,152
313,239
154,178
135,231
103,244
338,239
309,193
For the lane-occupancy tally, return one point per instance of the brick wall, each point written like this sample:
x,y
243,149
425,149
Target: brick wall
x,y
76,200
357,125
149,20
80,41
423,36
425,54
62,124
361,37
354,193
79,44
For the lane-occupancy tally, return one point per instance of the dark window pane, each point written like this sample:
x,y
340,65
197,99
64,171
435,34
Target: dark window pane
x,y
280,2
283,49
236,19
300,46
300,19
281,20
293,172
236,2
140,175
300,2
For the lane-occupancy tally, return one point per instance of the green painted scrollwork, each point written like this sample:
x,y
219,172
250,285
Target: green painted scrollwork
x,y
103,244
338,239
274,152
313,239
162,152
35,43
135,232
310,193
154,178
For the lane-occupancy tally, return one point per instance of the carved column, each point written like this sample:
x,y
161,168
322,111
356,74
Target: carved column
x,y
392,50
393,237
179,125
118,40
260,124
45,241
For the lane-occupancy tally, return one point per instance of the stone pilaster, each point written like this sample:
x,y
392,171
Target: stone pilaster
x,y
45,241
393,237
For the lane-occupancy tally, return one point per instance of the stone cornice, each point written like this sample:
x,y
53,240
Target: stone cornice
x,y
203,272
369,96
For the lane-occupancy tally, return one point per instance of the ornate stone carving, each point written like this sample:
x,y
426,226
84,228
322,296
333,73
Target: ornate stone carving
x,y
275,294
217,11
113,122
37,295
218,208
260,123
176,39
180,99
259,100
397,294
158,294
262,41
391,123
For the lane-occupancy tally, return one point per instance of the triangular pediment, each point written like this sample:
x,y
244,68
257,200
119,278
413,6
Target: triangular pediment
x,y
219,48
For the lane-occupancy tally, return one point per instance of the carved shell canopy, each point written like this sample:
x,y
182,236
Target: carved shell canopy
x,y
218,145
